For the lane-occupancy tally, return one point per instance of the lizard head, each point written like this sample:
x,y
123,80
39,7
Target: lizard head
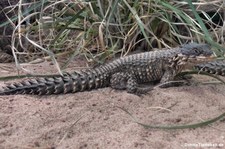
x,y
194,53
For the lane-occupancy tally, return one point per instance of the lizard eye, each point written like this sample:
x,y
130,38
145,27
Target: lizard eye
x,y
197,51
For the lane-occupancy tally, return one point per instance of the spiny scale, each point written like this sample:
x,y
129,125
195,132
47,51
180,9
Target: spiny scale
x,y
74,82
214,67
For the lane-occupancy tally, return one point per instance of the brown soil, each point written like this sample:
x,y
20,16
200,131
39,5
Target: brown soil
x,y
92,119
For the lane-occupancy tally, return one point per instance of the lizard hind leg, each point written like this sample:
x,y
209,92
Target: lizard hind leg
x,y
119,81
126,81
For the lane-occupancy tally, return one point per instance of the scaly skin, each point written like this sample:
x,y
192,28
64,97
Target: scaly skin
x,y
5,58
215,67
124,73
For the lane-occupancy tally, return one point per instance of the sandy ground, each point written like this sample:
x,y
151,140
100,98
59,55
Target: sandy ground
x,y
92,119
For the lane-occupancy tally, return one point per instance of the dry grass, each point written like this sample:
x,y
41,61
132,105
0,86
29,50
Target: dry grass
x,y
100,29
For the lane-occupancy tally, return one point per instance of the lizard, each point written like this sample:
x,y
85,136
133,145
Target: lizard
x,y
214,67
125,73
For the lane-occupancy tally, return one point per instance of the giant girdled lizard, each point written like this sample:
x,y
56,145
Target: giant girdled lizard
x,y
124,73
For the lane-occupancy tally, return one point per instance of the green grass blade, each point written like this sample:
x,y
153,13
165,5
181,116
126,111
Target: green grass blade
x,y
188,126
220,50
140,23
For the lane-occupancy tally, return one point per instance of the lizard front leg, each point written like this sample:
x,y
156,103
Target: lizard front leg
x,y
168,80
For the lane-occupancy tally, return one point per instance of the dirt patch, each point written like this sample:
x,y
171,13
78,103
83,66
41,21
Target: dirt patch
x,y
91,119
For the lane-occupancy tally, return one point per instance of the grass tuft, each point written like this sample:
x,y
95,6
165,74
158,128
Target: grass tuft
x,y
99,30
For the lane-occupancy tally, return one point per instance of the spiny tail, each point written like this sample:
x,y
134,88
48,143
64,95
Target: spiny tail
x,y
214,67
69,83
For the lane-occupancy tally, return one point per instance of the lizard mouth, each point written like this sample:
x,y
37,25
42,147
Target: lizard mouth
x,y
196,59
202,58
